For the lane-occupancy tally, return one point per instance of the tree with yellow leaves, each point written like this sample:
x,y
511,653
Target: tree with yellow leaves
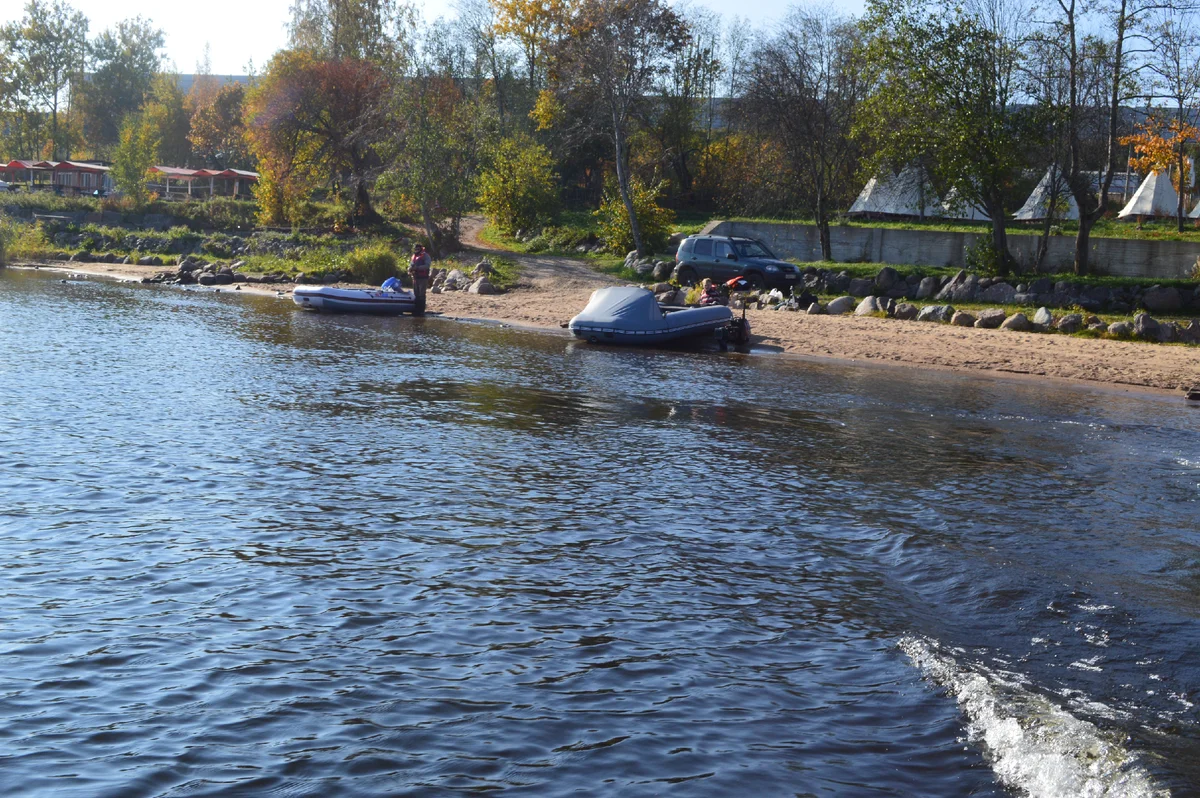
x,y
1160,145
534,24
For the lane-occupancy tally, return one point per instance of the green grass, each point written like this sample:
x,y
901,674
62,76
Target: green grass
x,y
545,245
1156,230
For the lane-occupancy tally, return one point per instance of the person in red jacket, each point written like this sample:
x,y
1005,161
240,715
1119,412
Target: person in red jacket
x,y
418,270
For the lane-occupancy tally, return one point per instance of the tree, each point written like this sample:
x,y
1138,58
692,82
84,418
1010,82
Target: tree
x,y
47,47
945,90
1159,145
518,189
166,109
136,150
433,151
675,118
605,67
316,122
356,29
1093,109
534,25
125,61
804,91
1176,65
218,132
493,61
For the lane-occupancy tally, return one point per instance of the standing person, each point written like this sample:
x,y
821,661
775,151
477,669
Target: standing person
x,y
418,270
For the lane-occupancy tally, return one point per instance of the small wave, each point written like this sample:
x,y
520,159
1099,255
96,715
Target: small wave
x,y
1034,746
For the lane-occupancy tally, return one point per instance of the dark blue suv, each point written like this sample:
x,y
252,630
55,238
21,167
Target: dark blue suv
x,y
724,257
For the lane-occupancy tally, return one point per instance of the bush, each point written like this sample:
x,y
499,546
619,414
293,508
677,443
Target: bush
x,y
519,190
982,257
372,265
655,220
7,234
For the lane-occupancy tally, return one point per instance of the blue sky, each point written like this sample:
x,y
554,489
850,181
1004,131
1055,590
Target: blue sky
x,y
240,30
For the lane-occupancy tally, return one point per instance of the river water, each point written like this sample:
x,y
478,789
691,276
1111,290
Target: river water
x,y
246,550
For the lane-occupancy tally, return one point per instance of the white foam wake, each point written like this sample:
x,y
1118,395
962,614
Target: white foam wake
x,y
1034,746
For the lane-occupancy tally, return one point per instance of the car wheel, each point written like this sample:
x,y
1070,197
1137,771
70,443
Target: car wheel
x,y
757,283
687,275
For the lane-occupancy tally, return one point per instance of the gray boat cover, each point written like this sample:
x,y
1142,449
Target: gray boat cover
x,y
634,311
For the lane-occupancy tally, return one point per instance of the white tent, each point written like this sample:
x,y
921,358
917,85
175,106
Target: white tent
x,y
1195,214
906,194
955,207
1154,197
1038,204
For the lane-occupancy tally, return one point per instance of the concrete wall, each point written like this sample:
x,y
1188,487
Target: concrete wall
x,y
1114,256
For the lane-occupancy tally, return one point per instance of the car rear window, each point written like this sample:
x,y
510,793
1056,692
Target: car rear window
x,y
704,246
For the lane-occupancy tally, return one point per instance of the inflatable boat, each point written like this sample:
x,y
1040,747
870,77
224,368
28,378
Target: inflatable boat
x,y
354,300
630,315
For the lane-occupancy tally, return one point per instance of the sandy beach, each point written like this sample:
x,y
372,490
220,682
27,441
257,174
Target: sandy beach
x,y
551,290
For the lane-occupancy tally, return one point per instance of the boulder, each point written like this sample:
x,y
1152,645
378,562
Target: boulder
x,y
482,269
961,288
962,319
660,287
205,278
887,278
1121,329
1070,323
1017,322
82,256
1043,317
663,270
906,311
1145,327
999,293
938,313
1098,327
1094,298
221,278
1191,333
837,283
150,260
482,286
815,309
927,287
1041,286
455,280
861,288
990,319
843,304
1162,300
869,307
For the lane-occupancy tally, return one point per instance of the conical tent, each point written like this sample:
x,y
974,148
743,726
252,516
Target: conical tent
x,y
1154,197
906,194
1195,214
955,207
1038,204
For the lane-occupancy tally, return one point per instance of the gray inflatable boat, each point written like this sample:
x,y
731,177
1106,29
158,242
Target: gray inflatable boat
x,y
630,315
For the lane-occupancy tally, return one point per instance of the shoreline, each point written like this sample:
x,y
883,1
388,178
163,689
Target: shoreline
x,y
544,302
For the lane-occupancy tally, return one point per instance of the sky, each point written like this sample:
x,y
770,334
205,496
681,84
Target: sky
x,y
241,31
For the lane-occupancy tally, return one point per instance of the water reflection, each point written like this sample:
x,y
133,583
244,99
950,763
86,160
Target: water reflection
x,y
251,549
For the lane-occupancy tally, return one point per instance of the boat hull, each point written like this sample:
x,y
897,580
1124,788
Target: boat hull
x,y
351,300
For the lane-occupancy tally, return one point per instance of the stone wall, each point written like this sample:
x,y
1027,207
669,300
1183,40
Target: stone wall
x,y
1121,257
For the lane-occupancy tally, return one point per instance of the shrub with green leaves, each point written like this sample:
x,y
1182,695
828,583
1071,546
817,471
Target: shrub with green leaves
x,y
519,190
655,220
372,264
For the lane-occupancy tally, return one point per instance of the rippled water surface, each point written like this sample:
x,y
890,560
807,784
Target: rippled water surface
x,y
250,551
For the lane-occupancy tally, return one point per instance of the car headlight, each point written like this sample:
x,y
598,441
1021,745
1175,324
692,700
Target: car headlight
x,y
772,268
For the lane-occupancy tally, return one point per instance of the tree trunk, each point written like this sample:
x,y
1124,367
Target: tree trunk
x,y
1004,258
1081,244
623,185
430,229
823,227
1182,188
